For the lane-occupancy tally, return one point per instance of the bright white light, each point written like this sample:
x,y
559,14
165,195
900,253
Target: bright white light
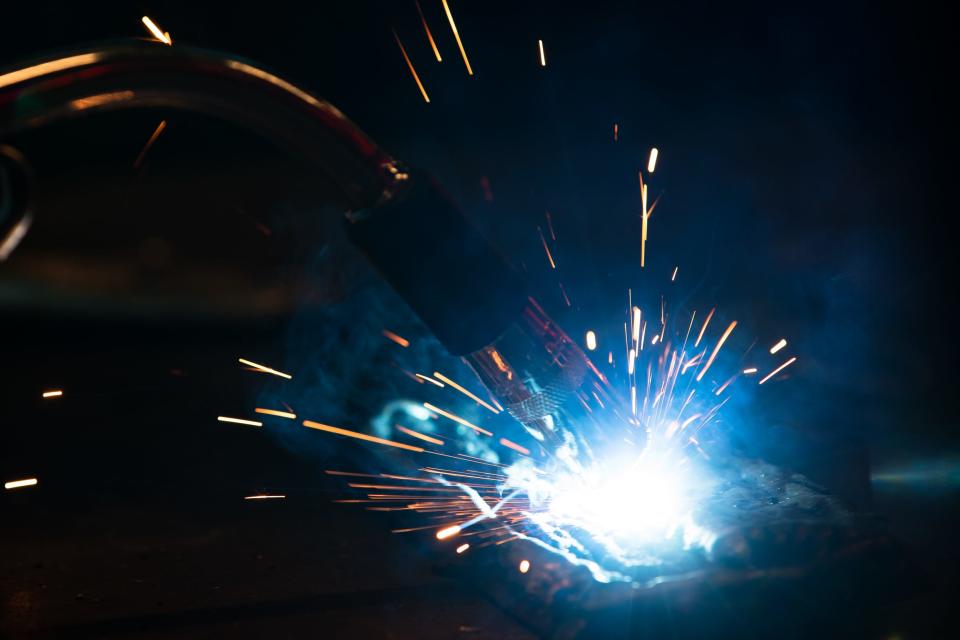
x,y
639,502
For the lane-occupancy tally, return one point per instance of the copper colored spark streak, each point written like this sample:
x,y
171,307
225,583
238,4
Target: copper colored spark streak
x,y
443,378
778,346
265,497
453,27
360,436
543,58
52,394
703,329
778,369
413,71
433,45
150,141
553,265
390,335
155,31
264,369
514,446
417,434
456,418
279,414
645,217
716,349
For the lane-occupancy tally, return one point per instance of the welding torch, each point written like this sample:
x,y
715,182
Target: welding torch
x,y
475,303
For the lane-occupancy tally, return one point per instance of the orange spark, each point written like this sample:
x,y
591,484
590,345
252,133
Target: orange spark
x,y
524,566
448,532
279,414
150,141
456,418
704,327
251,423
553,265
645,217
154,30
616,131
453,27
433,45
52,394
417,434
463,548
16,484
413,71
778,346
390,335
543,59
265,369
265,497
514,446
750,370
716,349
360,436
440,376
778,369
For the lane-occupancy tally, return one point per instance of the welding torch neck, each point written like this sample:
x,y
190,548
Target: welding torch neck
x,y
134,74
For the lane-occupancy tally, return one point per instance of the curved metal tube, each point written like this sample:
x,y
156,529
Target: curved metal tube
x,y
145,74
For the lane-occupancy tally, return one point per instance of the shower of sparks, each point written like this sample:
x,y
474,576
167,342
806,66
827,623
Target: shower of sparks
x,y
52,394
778,346
426,27
153,138
778,370
652,161
420,436
155,31
413,71
359,436
264,369
474,397
524,566
553,265
591,340
265,497
250,423
278,414
543,58
456,35
463,547
390,335
18,484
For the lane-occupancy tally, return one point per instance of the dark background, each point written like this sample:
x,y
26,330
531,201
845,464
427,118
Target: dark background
x,y
804,156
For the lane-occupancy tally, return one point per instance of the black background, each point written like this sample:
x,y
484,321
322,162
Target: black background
x,y
803,171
